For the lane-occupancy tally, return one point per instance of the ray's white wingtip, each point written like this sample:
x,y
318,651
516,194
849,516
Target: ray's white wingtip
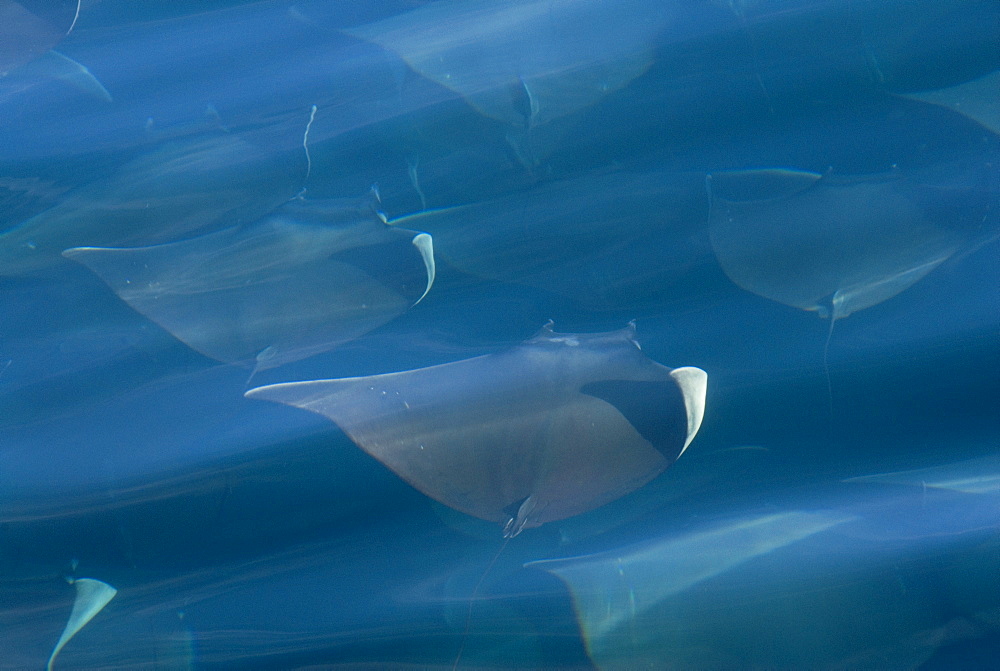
x,y
694,387
425,245
91,598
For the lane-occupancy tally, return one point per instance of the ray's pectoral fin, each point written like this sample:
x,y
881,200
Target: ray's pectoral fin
x,y
91,598
425,245
654,408
55,65
759,185
693,383
667,414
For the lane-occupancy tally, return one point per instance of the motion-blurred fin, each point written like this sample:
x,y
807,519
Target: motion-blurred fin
x,y
91,598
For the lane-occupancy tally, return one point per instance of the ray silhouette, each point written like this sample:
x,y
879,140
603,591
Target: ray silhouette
x,y
682,563
528,62
554,427
299,282
833,245
731,591
179,189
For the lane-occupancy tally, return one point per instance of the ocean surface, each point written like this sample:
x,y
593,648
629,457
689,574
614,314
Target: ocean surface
x,y
537,334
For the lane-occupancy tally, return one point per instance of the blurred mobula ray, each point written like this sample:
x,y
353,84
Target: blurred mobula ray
x,y
978,99
525,62
973,476
91,597
554,427
297,283
606,240
160,196
829,244
730,594
29,31
666,569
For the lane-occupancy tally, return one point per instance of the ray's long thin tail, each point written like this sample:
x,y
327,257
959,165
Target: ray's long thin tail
x,y
472,600
826,372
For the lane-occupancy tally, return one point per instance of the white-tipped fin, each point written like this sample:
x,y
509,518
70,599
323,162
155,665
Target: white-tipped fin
x,y
91,597
694,386
425,245
977,99
62,67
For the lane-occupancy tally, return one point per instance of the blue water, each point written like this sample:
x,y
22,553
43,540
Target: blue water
x,y
724,175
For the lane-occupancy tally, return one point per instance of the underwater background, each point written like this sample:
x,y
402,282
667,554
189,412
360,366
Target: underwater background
x,y
509,236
